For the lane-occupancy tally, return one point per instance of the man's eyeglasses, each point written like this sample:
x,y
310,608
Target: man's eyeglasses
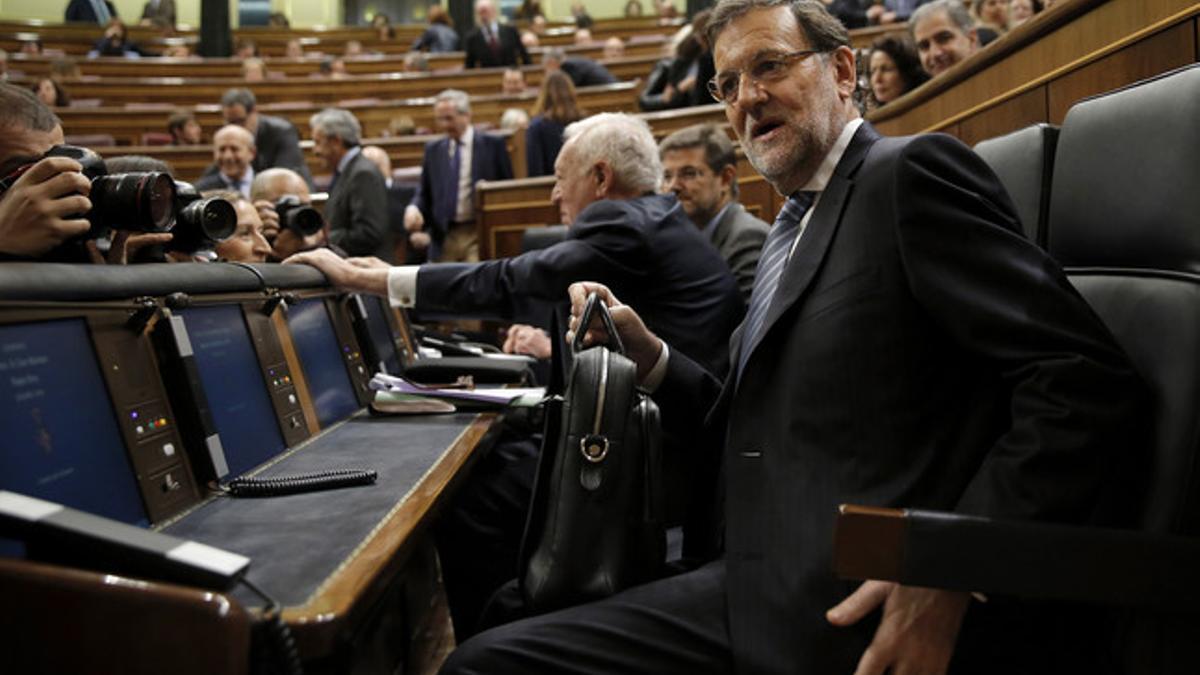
x,y
769,68
687,173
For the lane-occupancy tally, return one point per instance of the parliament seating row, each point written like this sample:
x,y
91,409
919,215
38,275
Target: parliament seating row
x,y
125,384
1120,216
129,125
108,66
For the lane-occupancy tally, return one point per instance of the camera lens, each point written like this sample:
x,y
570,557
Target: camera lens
x,y
200,222
140,201
299,218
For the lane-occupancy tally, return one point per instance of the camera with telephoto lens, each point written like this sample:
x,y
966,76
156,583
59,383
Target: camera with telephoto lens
x,y
298,217
200,222
140,201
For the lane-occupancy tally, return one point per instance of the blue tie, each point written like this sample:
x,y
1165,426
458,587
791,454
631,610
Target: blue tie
x,y
770,266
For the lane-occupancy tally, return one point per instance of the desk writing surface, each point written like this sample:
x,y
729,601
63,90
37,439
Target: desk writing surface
x,y
297,543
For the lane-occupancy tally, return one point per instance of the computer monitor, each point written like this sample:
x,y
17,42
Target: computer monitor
x,y
233,385
382,340
62,441
324,359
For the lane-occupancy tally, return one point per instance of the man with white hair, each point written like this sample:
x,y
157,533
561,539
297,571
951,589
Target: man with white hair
x,y
492,43
357,206
620,230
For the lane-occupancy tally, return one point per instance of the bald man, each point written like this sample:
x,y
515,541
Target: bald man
x,y
233,157
268,188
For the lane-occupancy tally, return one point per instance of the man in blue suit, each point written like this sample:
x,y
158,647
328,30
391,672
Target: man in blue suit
x,y
441,216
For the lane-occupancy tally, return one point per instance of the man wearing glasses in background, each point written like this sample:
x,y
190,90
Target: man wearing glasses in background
x,y
905,346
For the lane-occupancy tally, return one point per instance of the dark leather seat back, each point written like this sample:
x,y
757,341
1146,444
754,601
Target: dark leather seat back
x,y
1024,162
535,238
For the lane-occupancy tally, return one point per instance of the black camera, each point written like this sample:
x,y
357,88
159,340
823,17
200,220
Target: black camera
x,y
141,201
200,222
300,218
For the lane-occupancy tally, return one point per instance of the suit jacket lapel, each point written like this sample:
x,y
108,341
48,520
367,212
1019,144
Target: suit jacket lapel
x,y
806,260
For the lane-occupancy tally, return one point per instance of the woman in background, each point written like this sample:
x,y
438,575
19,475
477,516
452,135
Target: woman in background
x,y
556,107
1020,11
51,93
440,36
894,69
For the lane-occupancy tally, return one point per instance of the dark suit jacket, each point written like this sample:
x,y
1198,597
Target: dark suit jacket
x,y
211,179
739,237
81,11
543,140
645,249
919,352
277,144
510,53
586,72
489,161
357,211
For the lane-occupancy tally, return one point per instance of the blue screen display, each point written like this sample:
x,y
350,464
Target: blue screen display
x,y
323,361
381,333
60,436
233,384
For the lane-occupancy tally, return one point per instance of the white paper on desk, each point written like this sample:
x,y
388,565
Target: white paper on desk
x,y
498,396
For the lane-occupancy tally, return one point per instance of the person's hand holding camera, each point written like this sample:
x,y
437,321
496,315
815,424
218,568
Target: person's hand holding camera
x,y
35,213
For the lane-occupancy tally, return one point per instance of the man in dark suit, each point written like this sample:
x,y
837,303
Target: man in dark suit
x,y
700,169
492,44
357,206
620,231
582,71
441,217
905,346
90,11
276,139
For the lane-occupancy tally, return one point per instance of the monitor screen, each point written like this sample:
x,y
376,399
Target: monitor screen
x,y
233,384
323,361
381,333
61,441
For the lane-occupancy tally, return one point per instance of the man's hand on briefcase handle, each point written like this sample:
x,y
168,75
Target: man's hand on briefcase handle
x,y
642,346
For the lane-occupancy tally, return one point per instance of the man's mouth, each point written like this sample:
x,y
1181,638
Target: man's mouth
x,y
764,128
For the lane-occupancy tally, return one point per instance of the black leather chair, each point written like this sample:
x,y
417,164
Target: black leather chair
x,y
534,238
1124,218
1024,162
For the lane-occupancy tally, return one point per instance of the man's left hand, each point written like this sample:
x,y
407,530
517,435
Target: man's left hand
x,y
917,632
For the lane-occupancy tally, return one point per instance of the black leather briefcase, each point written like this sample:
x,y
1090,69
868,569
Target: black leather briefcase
x,y
595,524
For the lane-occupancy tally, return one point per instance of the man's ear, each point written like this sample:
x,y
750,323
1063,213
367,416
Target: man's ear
x,y
844,71
728,177
602,173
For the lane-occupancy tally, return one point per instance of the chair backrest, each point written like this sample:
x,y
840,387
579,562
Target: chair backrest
x,y
534,238
1125,222
1024,162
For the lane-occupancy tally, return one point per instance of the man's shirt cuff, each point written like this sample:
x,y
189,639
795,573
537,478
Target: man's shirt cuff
x,y
402,285
657,372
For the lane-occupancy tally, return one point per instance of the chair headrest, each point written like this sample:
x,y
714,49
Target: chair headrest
x,y
1126,176
1023,160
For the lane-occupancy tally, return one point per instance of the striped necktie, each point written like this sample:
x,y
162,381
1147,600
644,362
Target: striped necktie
x,y
770,266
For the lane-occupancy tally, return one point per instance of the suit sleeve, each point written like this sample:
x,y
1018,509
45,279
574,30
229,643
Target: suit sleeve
x,y
1075,397
367,196
288,153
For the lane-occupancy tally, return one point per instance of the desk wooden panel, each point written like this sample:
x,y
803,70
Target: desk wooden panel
x,y
127,125
1037,71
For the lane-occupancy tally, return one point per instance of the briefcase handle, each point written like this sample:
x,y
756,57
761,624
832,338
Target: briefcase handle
x,y
590,307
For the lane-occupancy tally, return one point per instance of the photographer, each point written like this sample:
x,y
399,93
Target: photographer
x,y
268,188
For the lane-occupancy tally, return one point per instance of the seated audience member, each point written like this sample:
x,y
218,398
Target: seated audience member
x,y
184,128
584,72
513,82
353,49
442,213
245,48
492,44
51,93
619,229
233,156
944,35
384,31
614,48
401,125
334,68
158,13
556,107
666,9
530,39
178,50
38,210
268,188
247,244
991,19
357,208
254,70
440,36
278,20
31,47
580,14
700,169
583,37
538,25
894,69
1020,11
90,11
658,92
634,9
294,49
909,269
514,119
861,13
416,62
276,140
115,42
